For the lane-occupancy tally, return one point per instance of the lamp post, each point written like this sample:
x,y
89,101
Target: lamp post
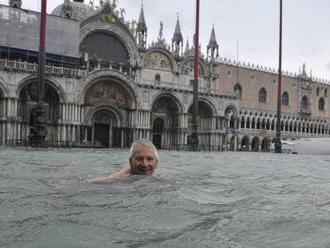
x,y
38,131
194,135
278,143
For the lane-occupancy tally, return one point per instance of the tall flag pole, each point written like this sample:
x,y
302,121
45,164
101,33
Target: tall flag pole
x,y
278,143
37,123
194,135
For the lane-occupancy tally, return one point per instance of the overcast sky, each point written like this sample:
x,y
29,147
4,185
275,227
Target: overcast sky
x,y
253,23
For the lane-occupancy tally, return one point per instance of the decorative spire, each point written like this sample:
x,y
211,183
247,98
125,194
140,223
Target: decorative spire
x,y
213,46
177,39
141,30
141,25
187,50
177,36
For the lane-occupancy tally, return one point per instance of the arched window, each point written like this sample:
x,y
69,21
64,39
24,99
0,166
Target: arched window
x,y
321,104
262,95
238,90
325,92
285,98
317,91
304,103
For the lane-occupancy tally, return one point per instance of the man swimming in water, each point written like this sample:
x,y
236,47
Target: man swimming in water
x,y
143,160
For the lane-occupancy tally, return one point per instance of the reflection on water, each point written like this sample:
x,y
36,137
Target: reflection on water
x,y
196,200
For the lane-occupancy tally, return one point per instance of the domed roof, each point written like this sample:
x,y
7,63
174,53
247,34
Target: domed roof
x,y
74,10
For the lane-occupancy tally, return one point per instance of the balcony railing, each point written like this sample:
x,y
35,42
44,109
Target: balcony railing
x,y
24,66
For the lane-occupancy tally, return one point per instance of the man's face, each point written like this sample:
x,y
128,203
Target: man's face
x,y
143,161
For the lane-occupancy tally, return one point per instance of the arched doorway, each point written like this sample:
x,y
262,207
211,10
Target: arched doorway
x,y
165,114
204,122
109,103
255,144
245,143
158,130
28,98
265,145
105,129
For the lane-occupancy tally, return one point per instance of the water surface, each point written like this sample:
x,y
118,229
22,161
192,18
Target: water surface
x,y
196,200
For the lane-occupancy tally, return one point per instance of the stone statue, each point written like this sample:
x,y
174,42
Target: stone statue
x,y
161,30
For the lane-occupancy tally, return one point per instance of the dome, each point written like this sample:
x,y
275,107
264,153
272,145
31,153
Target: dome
x,y
74,10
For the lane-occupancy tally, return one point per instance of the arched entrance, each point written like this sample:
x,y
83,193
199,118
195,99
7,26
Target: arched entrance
x,y
108,102
255,144
28,98
165,117
245,143
205,117
105,129
158,130
265,145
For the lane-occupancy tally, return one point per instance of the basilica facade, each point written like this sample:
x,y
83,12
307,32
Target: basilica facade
x,y
107,86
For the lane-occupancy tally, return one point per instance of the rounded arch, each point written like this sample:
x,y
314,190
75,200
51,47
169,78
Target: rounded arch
x,y
106,127
207,103
265,144
106,46
204,109
159,58
255,144
52,83
187,66
121,33
102,75
28,98
93,115
245,143
170,96
108,91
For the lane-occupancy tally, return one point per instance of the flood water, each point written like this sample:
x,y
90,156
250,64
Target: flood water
x,y
225,200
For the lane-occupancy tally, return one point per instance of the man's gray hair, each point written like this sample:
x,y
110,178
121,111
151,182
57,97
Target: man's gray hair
x,y
144,142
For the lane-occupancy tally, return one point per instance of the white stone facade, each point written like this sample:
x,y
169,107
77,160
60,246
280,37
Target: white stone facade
x,y
149,95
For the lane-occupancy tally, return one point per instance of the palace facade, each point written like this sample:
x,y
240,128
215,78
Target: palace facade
x,y
105,86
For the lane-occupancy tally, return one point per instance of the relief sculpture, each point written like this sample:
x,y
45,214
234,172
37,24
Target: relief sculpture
x,y
158,60
109,94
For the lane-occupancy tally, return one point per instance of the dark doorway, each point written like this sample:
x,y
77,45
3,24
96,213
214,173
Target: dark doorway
x,y
158,130
116,137
101,134
157,140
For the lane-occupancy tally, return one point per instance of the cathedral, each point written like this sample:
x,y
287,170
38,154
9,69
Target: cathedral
x,y
107,85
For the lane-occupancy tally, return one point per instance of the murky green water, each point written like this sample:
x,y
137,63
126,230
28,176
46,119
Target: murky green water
x,y
197,200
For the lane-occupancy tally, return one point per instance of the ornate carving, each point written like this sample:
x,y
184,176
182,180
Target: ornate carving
x,y
158,60
188,68
108,93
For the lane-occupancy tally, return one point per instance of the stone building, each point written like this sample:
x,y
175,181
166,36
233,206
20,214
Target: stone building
x,y
105,86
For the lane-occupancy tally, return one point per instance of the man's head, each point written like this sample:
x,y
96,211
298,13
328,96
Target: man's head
x,y
143,157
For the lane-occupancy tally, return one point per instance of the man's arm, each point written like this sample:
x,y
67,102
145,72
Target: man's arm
x,y
115,175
